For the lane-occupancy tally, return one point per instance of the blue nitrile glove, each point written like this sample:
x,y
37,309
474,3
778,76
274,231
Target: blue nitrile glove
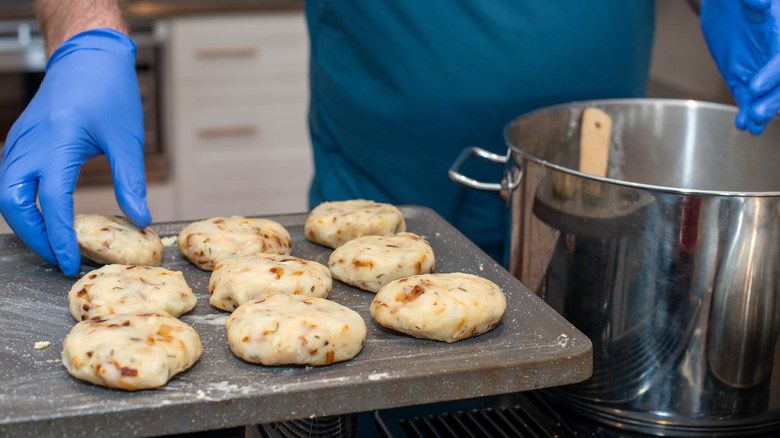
x,y
765,86
743,39
88,104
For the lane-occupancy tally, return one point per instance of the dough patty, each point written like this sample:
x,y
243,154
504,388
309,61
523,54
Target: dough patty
x,y
240,279
130,351
114,239
370,262
130,289
441,307
295,330
206,243
334,223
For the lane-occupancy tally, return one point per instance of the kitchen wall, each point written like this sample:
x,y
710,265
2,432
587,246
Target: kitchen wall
x,y
681,65
681,68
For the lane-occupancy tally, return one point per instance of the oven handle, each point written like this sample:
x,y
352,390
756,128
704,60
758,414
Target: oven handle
x,y
512,174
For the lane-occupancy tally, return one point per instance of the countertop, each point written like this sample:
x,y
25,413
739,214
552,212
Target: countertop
x,y
23,9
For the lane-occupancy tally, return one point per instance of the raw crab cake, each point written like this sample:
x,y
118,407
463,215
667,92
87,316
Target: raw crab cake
x,y
441,307
130,289
334,223
114,239
295,330
130,351
206,243
370,262
240,279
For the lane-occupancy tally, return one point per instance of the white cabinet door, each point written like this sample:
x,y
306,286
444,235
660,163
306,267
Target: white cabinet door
x,y
238,109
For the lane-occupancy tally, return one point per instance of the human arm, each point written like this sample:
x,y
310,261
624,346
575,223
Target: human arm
x,y
61,20
88,104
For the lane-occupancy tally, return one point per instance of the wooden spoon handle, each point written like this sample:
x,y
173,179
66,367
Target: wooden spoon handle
x,y
594,147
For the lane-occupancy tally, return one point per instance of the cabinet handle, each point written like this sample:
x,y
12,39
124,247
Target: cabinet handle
x,y
226,52
227,131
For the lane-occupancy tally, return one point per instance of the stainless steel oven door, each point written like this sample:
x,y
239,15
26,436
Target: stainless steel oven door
x,y
22,65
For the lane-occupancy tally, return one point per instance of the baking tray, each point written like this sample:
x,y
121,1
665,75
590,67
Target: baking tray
x,y
532,347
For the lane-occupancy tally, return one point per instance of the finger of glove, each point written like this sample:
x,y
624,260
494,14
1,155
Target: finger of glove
x,y
744,100
757,5
767,78
756,128
127,168
765,109
756,11
17,204
56,199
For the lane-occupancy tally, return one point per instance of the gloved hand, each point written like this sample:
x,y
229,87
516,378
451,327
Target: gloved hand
x,y
744,41
88,104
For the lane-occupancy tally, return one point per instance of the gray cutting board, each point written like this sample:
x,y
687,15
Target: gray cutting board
x,y
532,347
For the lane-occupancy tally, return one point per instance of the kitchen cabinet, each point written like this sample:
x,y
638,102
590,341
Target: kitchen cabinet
x,y
234,103
238,97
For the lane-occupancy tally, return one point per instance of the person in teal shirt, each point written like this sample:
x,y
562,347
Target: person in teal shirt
x,y
398,89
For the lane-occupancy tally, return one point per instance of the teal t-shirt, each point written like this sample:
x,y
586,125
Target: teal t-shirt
x,y
399,88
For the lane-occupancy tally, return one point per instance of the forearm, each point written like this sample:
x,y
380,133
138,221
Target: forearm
x,y
62,19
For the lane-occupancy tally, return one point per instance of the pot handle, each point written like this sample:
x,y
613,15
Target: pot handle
x,y
507,185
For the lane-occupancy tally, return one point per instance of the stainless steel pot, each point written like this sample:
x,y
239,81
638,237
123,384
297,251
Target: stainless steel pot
x,y
671,268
